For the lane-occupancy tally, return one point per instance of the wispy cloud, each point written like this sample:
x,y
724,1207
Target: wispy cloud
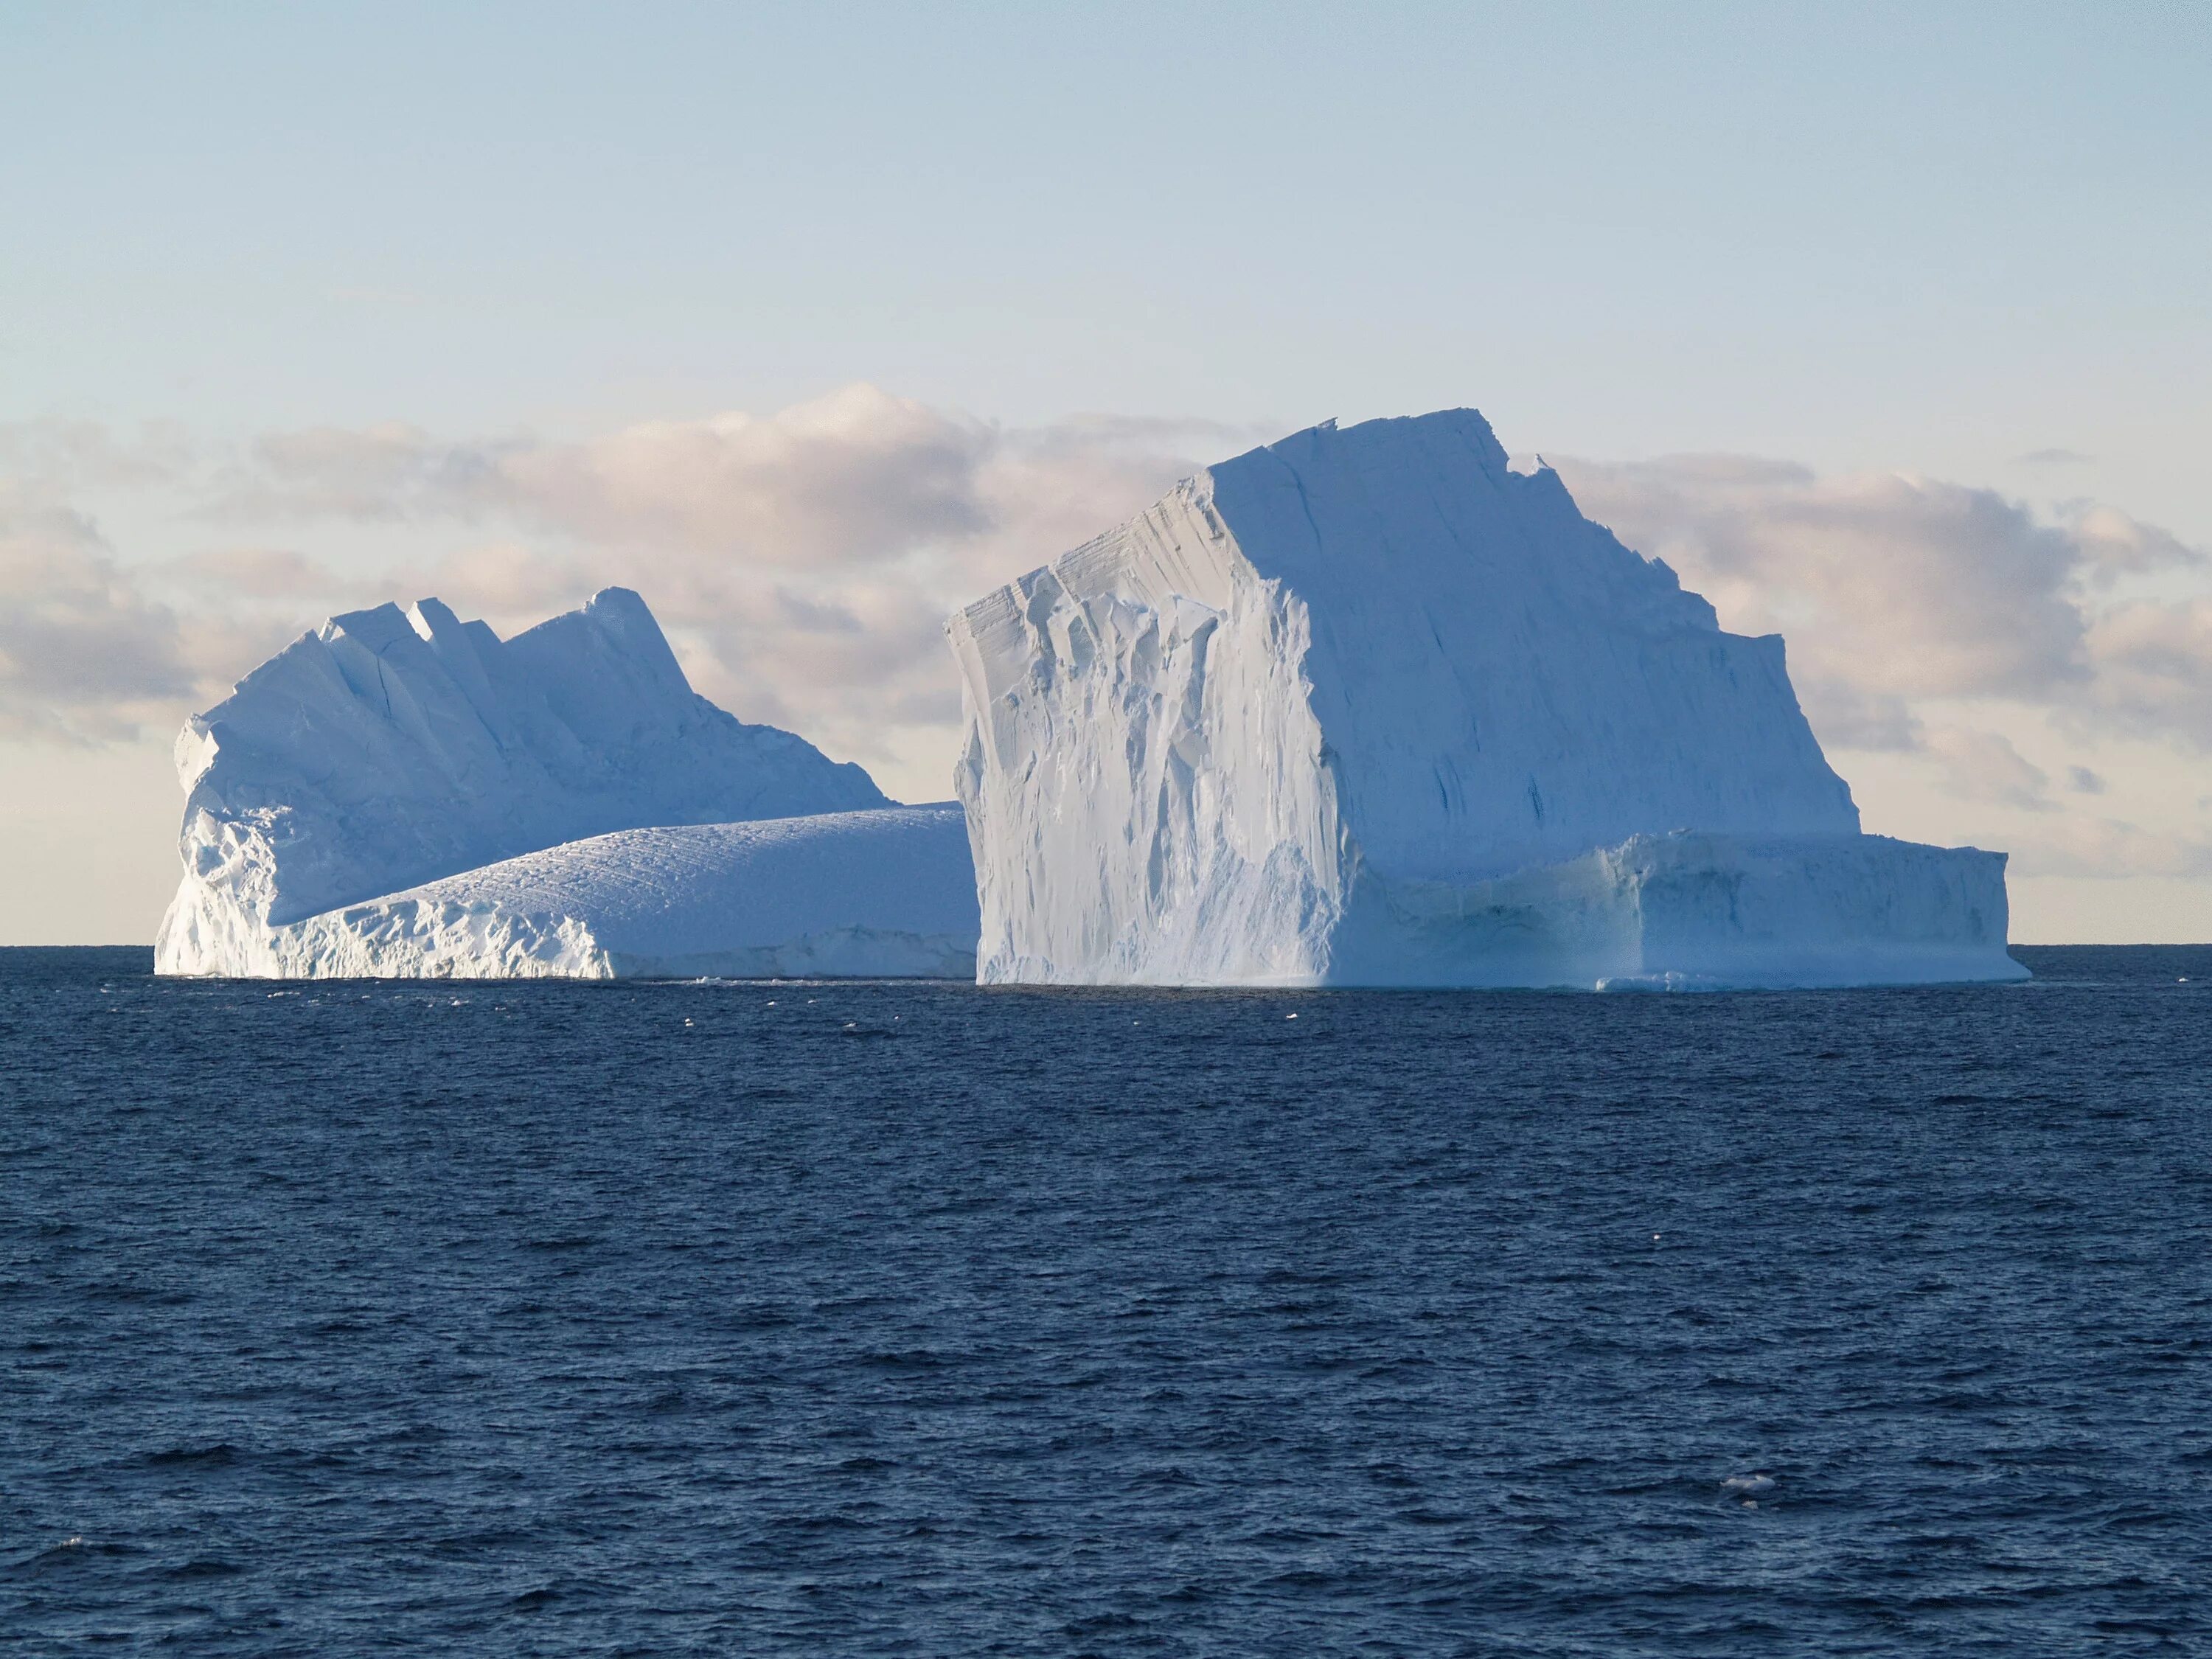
x,y
1886,584
1896,591
855,480
2110,848
1983,766
85,656
2154,672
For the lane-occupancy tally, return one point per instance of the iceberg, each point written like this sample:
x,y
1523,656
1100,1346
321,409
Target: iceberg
x,y
1369,707
370,800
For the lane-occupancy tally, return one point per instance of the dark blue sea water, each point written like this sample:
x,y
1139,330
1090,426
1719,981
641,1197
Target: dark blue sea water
x,y
861,1319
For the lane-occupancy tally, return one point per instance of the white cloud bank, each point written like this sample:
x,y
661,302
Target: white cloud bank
x,y
803,561
1893,589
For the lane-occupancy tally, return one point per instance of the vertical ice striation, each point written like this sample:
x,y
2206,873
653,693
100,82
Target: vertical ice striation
x,y
1360,707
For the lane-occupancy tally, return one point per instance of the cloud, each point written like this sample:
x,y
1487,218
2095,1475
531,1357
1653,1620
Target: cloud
x,y
255,571
2082,782
1848,716
2154,672
1896,592
84,656
1887,585
59,458
856,479
1983,766
2111,544
2110,848
2049,457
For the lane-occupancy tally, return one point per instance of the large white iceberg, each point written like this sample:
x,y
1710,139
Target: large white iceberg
x,y
1366,707
391,749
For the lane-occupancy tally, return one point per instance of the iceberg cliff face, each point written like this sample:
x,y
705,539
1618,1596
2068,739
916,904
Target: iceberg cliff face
x,y
391,747
1362,707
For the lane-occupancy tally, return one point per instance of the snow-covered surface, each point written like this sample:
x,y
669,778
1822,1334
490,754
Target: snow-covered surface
x,y
393,747
1366,707
888,893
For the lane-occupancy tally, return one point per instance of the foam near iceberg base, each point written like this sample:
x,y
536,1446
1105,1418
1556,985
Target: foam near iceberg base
x,y
882,894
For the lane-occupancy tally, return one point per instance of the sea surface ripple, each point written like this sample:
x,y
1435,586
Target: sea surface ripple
x,y
879,1318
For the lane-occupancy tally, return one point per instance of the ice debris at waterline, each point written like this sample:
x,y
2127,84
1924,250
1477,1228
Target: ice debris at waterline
x,y
1366,707
393,748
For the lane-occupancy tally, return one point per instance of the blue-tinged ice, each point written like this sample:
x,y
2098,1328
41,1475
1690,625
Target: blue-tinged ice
x,y
1365,707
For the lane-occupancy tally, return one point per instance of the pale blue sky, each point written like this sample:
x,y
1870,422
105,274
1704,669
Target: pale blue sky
x,y
1935,236
1864,240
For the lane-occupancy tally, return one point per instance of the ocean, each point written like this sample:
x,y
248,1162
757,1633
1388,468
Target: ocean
x,y
880,1318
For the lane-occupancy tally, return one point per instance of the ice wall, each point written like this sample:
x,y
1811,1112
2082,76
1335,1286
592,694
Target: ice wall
x,y
1245,737
392,747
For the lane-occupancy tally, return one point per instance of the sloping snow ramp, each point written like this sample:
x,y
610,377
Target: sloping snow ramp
x,y
1368,707
883,894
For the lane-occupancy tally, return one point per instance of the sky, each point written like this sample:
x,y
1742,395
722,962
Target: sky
x,y
1887,326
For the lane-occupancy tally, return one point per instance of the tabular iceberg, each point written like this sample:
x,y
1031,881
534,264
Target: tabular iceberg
x,y
393,748
1366,707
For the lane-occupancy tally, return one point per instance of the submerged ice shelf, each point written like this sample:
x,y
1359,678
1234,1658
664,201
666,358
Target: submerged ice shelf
x,y
1368,707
